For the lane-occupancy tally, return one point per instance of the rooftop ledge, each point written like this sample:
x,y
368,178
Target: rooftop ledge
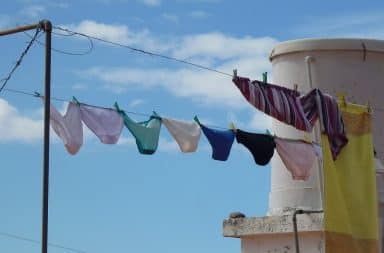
x,y
241,227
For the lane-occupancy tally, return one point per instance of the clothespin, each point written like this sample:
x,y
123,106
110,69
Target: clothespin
x,y
341,97
197,120
232,127
155,115
268,132
295,86
265,78
74,100
307,139
369,109
234,74
117,107
37,94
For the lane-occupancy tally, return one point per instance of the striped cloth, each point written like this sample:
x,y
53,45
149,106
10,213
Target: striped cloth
x,y
279,102
317,103
301,112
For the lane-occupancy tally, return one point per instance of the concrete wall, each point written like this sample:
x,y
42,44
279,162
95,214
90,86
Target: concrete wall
x,y
310,242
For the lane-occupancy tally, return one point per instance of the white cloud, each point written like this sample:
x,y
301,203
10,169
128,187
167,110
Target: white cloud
x,y
362,24
198,14
260,121
136,102
170,17
121,34
150,3
118,33
222,46
216,50
17,127
201,86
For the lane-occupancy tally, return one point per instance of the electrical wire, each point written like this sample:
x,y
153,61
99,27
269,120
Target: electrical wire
x,y
18,62
70,33
17,237
142,51
88,51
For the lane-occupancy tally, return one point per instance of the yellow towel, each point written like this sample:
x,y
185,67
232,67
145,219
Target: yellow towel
x,y
350,208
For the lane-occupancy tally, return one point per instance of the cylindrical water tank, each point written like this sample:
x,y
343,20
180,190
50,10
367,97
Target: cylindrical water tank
x,y
354,67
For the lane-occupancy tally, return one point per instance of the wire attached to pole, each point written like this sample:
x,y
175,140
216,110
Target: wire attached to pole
x,y
85,52
18,62
70,32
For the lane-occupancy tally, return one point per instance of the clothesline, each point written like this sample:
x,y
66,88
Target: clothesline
x,y
38,95
107,125
150,53
261,146
281,103
147,52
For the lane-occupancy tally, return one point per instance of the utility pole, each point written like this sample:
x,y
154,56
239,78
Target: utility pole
x,y
46,26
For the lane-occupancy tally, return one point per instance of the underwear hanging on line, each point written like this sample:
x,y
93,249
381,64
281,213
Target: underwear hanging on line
x,y
186,134
69,127
261,146
106,124
146,133
297,156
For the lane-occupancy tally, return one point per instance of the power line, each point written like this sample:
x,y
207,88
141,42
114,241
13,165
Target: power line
x,y
88,51
142,51
18,62
17,237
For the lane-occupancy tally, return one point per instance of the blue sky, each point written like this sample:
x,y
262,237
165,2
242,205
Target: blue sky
x,y
109,198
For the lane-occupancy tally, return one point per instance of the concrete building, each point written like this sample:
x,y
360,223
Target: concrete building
x,y
353,67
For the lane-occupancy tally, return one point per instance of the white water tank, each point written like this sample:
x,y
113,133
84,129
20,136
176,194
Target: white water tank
x,y
354,67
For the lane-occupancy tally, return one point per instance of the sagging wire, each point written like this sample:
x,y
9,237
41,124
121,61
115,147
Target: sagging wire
x,y
141,50
88,51
5,80
17,237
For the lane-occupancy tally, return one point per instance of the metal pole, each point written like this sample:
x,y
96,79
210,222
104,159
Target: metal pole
x,y
20,29
295,230
47,26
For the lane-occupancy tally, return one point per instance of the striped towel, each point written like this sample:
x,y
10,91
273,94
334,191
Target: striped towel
x,y
279,102
332,121
301,112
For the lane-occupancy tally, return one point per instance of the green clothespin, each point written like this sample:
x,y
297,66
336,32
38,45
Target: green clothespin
x,y
155,115
37,94
232,127
234,74
117,107
197,120
265,78
268,132
74,100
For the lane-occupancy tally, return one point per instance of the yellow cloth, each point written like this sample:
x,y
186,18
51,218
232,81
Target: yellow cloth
x,y
351,223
